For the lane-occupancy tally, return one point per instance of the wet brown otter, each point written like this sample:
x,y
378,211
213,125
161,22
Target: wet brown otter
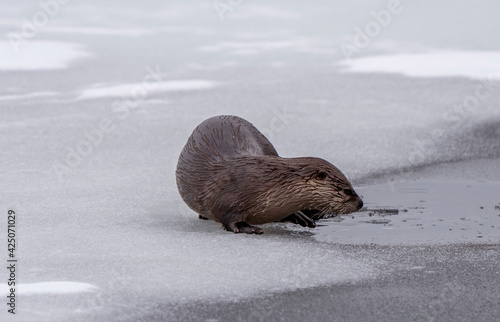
x,y
229,172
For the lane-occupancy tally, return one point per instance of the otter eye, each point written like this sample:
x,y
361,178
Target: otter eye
x,y
348,192
321,175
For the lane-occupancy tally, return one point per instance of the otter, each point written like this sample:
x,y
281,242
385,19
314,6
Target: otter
x,y
229,172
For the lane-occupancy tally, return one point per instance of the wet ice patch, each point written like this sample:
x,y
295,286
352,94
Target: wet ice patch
x,y
472,64
420,213
166,86
45,288
40,55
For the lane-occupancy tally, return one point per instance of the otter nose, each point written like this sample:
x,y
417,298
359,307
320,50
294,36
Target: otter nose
x,y
360,204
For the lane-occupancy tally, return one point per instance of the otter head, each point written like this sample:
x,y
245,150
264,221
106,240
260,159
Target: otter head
x,y
328,190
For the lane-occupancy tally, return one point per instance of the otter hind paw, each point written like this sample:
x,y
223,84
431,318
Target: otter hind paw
x,y
243,227
300,219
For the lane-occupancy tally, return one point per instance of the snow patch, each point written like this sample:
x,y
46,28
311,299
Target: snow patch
x,y
28,96
44,288
126,89
253,11
254,47
472,64
100,31
40,55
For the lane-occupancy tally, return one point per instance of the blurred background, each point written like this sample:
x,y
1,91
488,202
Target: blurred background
x,y
313,67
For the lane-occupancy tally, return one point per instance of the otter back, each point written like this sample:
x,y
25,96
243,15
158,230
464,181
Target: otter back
x,y
228,136
215,140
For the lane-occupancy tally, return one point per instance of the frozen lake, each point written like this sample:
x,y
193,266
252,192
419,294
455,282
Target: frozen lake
x,y
97,101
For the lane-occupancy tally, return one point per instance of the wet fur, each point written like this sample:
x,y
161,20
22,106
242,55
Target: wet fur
x,y
229,172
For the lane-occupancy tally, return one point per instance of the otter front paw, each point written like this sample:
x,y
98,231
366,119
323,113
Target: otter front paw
x,y
300,219
243,227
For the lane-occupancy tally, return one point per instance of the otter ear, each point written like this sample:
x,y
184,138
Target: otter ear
x,y
320,175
